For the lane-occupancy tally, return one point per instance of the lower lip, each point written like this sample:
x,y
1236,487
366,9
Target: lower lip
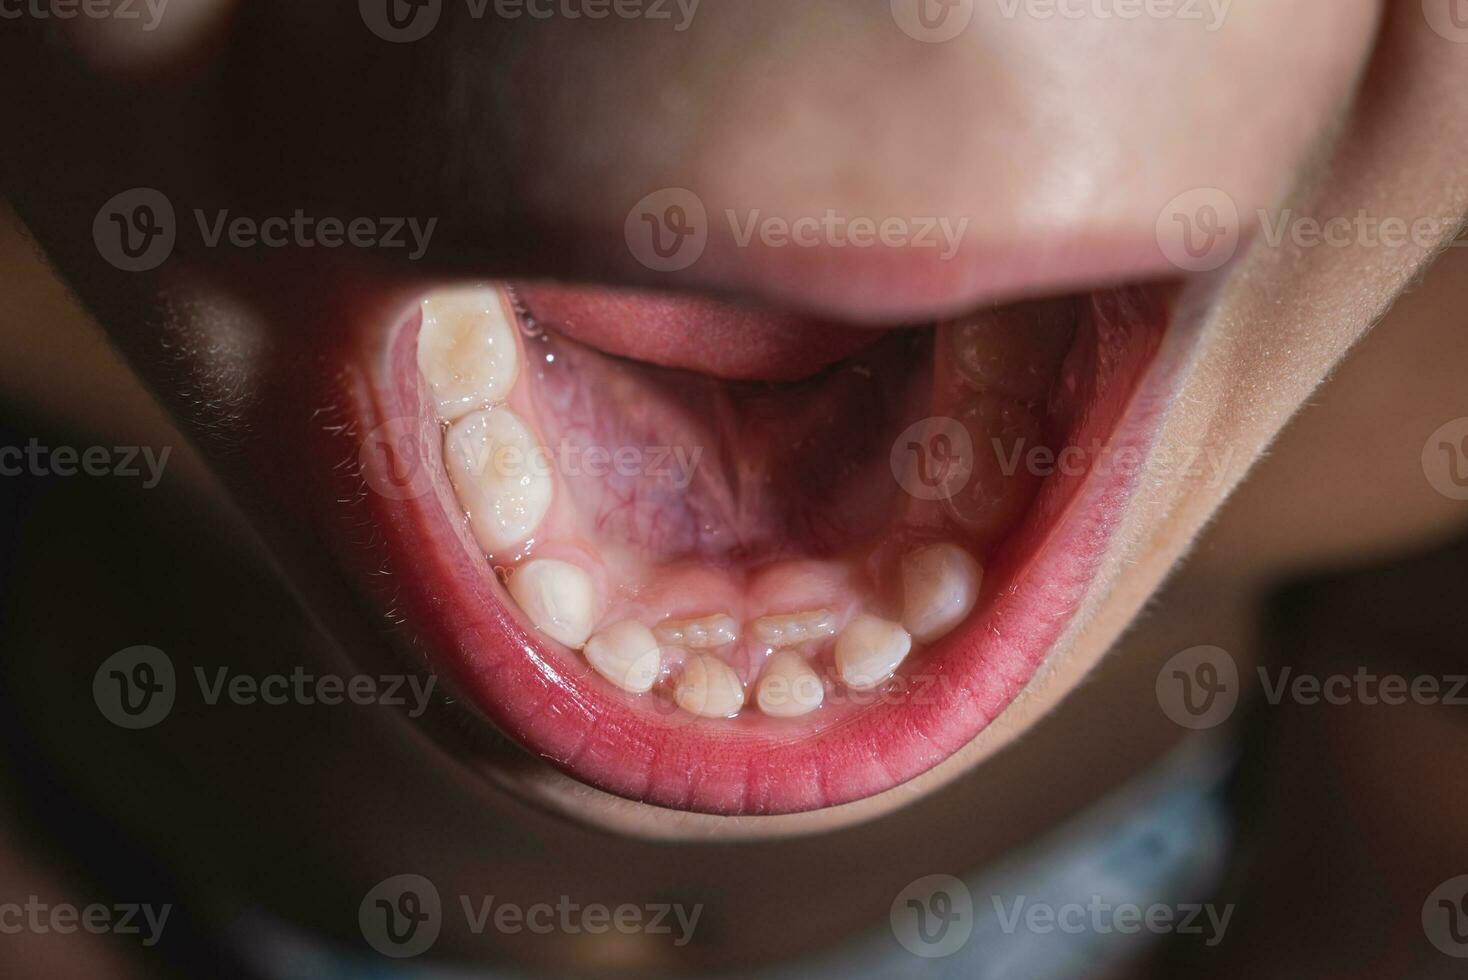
x,y
444,598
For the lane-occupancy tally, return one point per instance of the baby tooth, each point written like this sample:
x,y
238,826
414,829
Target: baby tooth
x,y
789,688
1015,350
466,350
709,688
500,476
869,650
558,597
698,634
789,629
627,655
940,584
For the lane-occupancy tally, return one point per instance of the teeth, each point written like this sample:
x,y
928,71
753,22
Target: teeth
x,y
998,491
1015,350
499,476
869,650
466,350
558,597
698,634
940,584
789,629
627,655
709,688
789,688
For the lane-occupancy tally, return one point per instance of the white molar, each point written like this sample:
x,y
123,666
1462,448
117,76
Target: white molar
x,y
626,654
789,687
500,477
709,688
940,584
869,650
558,597
466,350
698,634
790,629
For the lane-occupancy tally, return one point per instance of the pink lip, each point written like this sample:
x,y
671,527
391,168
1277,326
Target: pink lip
x,y
421,572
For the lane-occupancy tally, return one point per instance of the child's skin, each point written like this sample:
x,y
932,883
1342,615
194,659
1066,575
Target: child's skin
x,y
1052,135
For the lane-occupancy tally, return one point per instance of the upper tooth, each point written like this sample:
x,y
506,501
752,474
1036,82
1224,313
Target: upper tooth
x,y
558,597
940,584
626,654
499,475
788,629
709,687
466,350
789,688
869,650
698,634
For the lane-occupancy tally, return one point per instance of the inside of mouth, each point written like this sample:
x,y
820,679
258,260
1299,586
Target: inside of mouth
x,y
728,524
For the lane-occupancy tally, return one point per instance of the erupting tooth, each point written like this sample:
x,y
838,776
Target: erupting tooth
x,y
789,629
709,688
869,650
466,350
940,584
1015,350
626,654
500,476
698,634
558,598
789,688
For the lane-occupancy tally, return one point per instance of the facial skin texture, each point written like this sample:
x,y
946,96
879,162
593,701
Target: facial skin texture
x,y
1061,141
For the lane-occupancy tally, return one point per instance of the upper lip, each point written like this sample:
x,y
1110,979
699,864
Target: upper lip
x,y
404,556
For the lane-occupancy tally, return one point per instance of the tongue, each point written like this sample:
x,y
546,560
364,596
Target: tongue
x,y
676,465
698,334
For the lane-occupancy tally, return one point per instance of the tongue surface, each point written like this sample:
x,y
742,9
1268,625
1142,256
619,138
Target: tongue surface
x,y
695,333
675,465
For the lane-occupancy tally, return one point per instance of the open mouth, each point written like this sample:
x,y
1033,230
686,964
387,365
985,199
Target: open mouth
x,y
740,562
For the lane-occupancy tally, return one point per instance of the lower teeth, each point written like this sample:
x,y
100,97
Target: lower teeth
x,y
638,637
